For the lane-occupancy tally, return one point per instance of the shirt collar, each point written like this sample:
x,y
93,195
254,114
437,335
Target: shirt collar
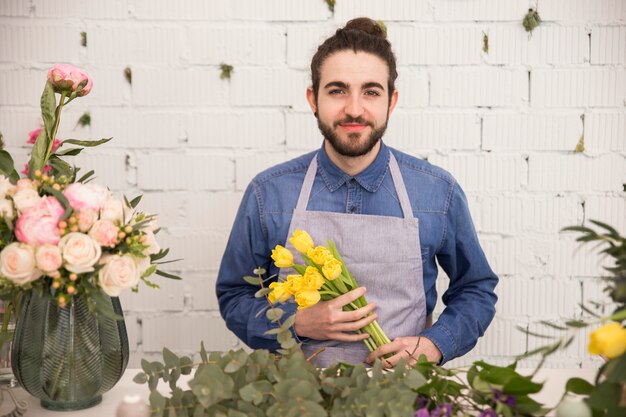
x,y
370,179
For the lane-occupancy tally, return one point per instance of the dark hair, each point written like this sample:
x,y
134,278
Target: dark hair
x,y
361,35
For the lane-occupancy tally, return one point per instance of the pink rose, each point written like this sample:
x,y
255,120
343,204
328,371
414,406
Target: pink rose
x,y
86,219
105,233
25,199
80,252
64,77
17,263
48,258
119,272
38,224
86,196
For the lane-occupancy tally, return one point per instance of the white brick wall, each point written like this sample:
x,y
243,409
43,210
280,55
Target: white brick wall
x,y
504,121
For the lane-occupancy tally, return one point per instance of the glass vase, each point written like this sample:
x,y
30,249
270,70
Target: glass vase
x,y
67,357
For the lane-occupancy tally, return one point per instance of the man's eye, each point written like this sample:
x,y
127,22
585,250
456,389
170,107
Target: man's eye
x,y
336,91
372,93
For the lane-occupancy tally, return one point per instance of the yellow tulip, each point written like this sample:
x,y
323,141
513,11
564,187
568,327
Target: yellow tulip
x,y
294,284
312,279
608,340
307,298
301,241
331,269
282,257
319,255
279,293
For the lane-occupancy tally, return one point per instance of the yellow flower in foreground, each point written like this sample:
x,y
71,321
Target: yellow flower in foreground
x,y
301,241
282,257
312,279
331,268
307,298
319,255
608,340
279,293
294,284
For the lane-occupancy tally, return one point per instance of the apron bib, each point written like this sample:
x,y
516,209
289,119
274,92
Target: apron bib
x,y
383,254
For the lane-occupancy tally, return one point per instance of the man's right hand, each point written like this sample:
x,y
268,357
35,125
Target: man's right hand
x,y
326,320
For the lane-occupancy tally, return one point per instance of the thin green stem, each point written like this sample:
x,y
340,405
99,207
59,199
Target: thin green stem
x,y
55,127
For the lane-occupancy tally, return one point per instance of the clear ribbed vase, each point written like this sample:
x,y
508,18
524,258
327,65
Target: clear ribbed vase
x,y
67,357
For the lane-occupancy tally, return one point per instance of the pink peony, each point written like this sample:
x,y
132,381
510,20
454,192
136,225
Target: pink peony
x,y
38,224
86,196
65,77
104,232
32,135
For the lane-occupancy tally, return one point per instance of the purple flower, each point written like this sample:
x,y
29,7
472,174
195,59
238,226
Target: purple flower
x,y
503,398
487,413
422,412
443,410
421,401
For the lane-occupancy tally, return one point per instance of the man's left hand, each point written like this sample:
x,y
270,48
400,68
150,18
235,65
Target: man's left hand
x,y
409,348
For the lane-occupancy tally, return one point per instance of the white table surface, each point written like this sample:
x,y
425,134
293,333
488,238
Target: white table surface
x,y
554,383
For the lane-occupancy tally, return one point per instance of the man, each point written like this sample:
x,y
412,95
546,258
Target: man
x,y
392,217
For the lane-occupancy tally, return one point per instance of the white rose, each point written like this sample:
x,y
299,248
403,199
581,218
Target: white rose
x,y
48,258
113,210
25,198
80,252
17,263
6,209
119,272
6,187
149,239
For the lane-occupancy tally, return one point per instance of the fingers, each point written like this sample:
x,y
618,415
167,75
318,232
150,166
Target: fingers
x,y
353,326
349,297
383,350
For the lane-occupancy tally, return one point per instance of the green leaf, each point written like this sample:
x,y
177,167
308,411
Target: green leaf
x,y
167,275
274,314
170,358
554,326
87,143
48,109
618,316
289,322
69,152
577,324
203,354
60,167
38,154
157,403
263,292
85,177
578,386
135,201
140,378
253,280
7,166
62,199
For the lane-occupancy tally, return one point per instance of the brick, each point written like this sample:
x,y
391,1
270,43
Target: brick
x,y
480,10
531,131
549,172
171,208
484,172
179,87
269,87
16,123
607,209
14,8
514,256
183,333
27,43
235,129
110,88
21,87
478,87
169,297
447,45
200,290
188,10
302,131
608,45
428,130
412,85
133,128
583,10
548,44
281,10
197,171
498,214
132,328
605,131
126,45
502,337
549,214
567,258
114,9
250,164
237,45
303,40
601,87
199,251
109,166
417,10
213,211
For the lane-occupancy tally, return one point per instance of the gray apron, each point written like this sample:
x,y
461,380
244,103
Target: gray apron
x,y
382,253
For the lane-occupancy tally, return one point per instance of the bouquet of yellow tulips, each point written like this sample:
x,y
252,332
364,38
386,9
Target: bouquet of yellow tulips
x,y
324,277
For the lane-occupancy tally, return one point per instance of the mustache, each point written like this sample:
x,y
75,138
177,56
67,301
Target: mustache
x,y
358,120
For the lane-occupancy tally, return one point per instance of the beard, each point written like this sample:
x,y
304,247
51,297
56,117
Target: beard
x,y
353,147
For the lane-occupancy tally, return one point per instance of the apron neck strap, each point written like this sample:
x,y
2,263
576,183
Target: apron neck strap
x,y
396,176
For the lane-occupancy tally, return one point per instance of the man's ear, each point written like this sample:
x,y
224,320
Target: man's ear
x,y
393,101
310,97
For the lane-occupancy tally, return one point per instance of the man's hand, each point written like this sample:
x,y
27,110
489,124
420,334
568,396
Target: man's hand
x,y
327,321
409,348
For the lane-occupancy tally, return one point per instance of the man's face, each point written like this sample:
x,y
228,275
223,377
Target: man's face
x,y
353,103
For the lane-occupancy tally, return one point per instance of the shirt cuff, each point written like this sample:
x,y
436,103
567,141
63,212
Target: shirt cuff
x,y
289,310
443,339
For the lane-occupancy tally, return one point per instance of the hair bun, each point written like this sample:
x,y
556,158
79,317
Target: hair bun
x,y
367,25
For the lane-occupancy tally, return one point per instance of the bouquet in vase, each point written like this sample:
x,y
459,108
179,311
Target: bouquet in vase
x,y
324,277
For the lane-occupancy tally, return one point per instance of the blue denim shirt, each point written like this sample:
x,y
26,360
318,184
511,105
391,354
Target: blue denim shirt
x,y
447,236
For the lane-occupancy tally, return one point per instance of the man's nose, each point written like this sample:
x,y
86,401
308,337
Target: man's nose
x,y
354,106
